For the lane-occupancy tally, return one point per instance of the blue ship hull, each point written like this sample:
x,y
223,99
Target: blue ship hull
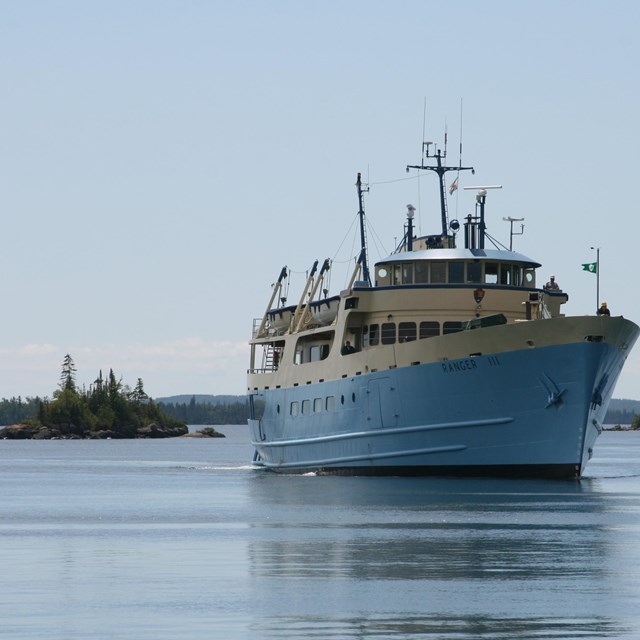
x,y
532,412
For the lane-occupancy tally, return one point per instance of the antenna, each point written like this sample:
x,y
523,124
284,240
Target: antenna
x,y
446,137
440,169
424,121
511,232
460,157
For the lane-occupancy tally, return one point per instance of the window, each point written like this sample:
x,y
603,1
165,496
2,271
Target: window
x,y
491,273
374,334
530,277
438,272
383,277
407,273
406,331
517,276
474,272
317,405
365,337
456,272
397,274
451,327
422,272
505,274
313,348
294,409
306,407
330,403
429,329
388,333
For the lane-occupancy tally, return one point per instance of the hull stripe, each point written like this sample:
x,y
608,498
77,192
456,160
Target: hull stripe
x,y
361,458
383,432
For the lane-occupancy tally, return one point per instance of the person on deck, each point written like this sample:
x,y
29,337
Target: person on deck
x,y
604,310
552,285
347,349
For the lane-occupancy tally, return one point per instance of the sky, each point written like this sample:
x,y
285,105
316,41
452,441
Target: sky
x,y
161,161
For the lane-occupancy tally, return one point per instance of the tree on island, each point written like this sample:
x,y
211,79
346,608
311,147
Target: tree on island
x,y
108,409
68,374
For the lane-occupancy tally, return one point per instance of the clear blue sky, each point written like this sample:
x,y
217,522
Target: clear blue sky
x,y
160,161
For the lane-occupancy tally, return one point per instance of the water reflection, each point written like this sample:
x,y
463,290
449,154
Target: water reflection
x,y
414,627
424,557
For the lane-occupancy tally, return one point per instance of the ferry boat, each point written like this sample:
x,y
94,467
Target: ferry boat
x,y
443,361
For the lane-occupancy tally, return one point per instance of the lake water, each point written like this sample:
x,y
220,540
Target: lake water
x,y
182,539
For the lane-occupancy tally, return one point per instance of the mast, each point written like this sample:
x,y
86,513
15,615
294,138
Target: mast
x,y
362,259
440,169
277,287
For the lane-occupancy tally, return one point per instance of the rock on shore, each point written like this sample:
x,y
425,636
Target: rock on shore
x,y
24,431
207,432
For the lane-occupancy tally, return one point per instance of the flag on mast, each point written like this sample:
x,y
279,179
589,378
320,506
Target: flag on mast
x,y
592,267
454,186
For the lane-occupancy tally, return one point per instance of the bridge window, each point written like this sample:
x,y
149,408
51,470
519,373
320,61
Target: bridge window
x,y
474,272
438,272
429,329
422,272
505,274
374,334
491,273
383,277
456,272
406,331
388,333
517,276
407,273
530,277
451,327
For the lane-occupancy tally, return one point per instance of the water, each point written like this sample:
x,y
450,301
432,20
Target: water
x,y
182,539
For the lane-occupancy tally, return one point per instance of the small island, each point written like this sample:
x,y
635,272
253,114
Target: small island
x,y
108,409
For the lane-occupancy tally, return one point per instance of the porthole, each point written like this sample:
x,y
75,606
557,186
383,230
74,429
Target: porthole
x,y
382,273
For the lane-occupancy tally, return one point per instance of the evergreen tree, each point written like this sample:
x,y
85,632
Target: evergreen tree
x,y
138,394
68,374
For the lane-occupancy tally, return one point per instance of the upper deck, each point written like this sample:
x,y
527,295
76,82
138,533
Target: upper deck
x,y
456,267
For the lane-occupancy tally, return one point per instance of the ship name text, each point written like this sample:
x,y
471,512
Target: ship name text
x,y
466,364
455,366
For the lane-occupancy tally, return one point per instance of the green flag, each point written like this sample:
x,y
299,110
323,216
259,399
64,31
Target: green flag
x,y
592,267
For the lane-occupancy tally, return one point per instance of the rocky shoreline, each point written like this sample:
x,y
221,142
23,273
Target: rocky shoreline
x,y
25,431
